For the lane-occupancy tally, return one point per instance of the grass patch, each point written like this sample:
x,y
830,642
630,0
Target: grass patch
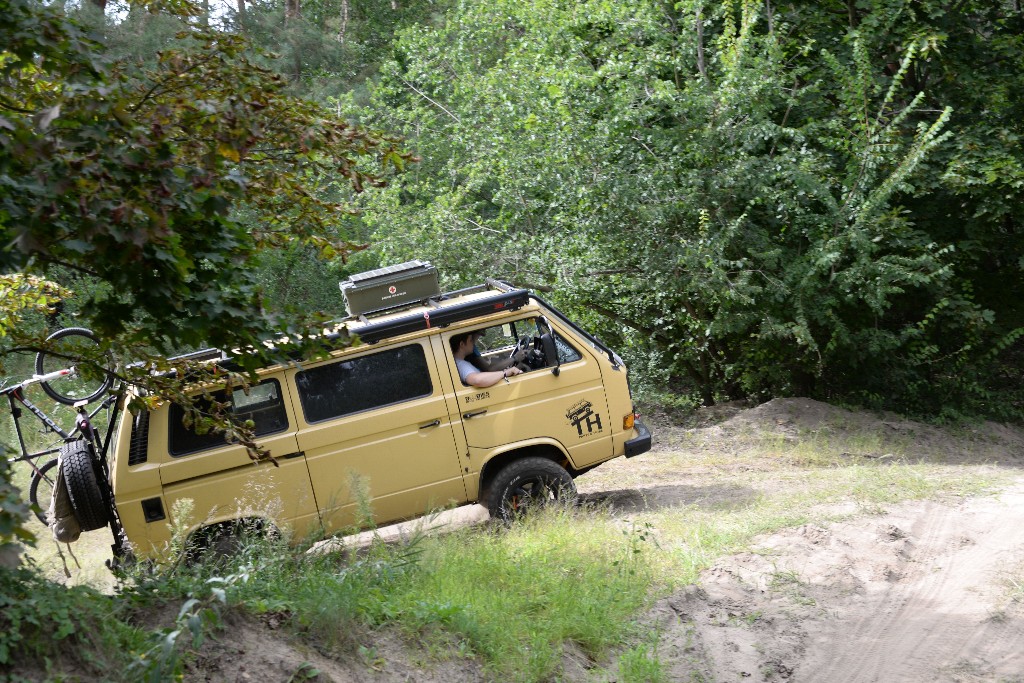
x,y
516,596
46,629
510,597
640,664
513,598
1014,583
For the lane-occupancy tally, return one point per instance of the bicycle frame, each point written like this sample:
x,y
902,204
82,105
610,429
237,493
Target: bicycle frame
x,y
16,395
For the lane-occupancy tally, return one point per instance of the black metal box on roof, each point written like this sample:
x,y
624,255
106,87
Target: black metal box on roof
x,y
390,287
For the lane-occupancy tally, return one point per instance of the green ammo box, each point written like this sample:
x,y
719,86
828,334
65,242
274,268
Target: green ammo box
x,y
390,287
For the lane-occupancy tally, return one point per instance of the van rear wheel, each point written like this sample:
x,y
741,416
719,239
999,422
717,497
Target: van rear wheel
x,y
525,485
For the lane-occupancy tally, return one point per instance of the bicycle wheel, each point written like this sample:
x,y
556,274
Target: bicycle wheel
x,y
40,491
66,347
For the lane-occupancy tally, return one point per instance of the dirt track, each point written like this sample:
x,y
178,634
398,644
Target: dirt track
x,y
917,594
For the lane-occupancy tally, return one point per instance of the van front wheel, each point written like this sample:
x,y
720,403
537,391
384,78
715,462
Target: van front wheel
x,y
527,484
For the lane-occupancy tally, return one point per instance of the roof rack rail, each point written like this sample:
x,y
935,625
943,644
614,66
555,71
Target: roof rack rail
x,y
507,299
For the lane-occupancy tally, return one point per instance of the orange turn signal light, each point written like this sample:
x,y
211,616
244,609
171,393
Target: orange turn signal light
x,y
627,421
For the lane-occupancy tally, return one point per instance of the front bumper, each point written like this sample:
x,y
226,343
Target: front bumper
x,y
641,443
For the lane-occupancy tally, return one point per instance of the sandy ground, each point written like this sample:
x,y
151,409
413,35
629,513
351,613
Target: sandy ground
x,y
916,594
919,592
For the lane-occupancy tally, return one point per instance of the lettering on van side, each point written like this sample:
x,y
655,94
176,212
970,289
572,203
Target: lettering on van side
x,y
480,396
582,414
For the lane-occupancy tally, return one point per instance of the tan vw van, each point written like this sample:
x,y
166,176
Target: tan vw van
x,y
385,430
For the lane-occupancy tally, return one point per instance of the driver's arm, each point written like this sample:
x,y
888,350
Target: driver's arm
x,y
495,363
486,379
490,363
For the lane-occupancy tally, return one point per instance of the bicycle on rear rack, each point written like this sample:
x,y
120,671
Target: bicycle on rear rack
x,y
82,446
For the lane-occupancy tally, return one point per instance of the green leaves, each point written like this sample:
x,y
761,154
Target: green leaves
x,y
137,180
133,184
761,202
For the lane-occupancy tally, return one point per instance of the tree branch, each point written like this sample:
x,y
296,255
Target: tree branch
x,y
433,102
700,46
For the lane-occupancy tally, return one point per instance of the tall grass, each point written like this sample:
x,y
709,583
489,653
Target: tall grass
x,y
47,629
517,596
512,597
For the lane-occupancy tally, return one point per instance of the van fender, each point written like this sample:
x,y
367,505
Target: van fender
x,y
492,460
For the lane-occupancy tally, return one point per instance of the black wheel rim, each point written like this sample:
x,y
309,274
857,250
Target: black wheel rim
x,y
531,494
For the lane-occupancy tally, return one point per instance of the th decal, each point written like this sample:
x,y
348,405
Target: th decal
x,y
582,415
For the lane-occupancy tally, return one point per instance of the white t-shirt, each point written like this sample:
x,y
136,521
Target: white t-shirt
x,y
465,369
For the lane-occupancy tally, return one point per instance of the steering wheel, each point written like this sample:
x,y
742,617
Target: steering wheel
x,y
522,345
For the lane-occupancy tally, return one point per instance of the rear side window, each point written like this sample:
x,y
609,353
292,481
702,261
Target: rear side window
x,y
262,405
364,383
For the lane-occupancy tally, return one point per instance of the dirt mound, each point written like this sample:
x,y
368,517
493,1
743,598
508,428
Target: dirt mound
x,y
734,427
247,649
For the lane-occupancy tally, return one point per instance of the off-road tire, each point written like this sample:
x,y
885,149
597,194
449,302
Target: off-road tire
x,y
527,484
71,391
42,487
219,543
87,500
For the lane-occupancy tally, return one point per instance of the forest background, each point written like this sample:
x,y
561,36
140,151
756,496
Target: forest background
x,y
747,199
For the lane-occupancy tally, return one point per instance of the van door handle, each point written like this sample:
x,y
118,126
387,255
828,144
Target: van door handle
x,y
431,424
466,416
296,454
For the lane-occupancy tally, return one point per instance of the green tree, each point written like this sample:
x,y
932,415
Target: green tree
x,y
738,189
136,181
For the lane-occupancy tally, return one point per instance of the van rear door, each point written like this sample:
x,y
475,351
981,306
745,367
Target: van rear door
x,y
223,481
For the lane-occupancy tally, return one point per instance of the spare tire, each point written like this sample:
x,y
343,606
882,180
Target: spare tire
x,y
83,486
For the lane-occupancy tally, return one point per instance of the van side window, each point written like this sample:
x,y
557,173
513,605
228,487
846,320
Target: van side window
x,y
566,352
262,405
364,383
498,340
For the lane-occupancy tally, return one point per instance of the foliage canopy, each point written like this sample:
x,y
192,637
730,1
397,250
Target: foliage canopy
x,y
153,193
760,199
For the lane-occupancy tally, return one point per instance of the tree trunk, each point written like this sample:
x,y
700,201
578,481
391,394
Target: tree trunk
x,y
241,13
851,11
700,46
344,21
101,5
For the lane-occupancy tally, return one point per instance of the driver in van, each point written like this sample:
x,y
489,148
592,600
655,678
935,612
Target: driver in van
x,y
474,369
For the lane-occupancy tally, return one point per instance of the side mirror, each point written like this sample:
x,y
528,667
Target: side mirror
x,y
547,344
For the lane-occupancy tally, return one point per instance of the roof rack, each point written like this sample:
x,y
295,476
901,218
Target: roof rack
x,y
441,313
438,311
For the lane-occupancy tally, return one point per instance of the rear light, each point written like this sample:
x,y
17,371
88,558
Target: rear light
x,y
628,420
